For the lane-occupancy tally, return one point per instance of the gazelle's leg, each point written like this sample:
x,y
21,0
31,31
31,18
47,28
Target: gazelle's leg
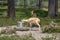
x,y
30,26
39,26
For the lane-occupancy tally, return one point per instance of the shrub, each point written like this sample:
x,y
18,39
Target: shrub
x,y
52,30
41,13
3,32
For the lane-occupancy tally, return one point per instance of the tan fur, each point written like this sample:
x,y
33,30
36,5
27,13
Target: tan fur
x,y
33,20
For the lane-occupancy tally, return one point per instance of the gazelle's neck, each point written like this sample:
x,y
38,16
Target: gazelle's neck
x,y
25,20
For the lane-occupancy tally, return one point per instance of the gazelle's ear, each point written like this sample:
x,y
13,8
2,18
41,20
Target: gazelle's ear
x,y
32,12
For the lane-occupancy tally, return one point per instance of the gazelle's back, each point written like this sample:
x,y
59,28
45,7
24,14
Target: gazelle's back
x,y
34,19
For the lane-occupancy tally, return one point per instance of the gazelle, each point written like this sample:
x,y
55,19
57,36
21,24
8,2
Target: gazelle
x,y
33,20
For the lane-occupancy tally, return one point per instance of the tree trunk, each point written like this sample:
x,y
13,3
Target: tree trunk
x,y
25,3
53,8
11,9
39,4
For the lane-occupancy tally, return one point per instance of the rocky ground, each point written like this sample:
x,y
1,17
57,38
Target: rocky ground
x,y
35,33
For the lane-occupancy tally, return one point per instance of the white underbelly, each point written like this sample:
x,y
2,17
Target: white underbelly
x,y
33,22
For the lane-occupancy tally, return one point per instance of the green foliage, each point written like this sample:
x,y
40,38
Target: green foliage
x,y
17,38
3,32
45,21
26,12
51,38
41,13
3,3
52,30
2,10
7,21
